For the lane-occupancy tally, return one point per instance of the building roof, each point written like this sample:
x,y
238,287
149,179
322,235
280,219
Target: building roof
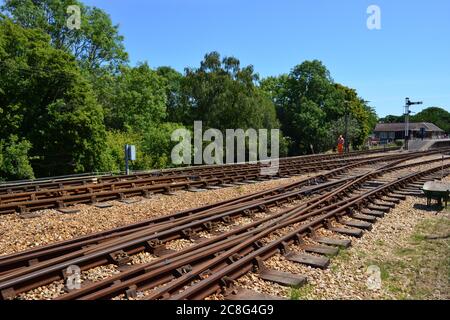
x,y
413,126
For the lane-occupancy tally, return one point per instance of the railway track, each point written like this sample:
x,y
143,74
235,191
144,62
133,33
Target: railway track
x,y
325,198
130,186
238,203
60,183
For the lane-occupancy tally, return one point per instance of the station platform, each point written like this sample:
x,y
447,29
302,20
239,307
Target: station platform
x,y
424,145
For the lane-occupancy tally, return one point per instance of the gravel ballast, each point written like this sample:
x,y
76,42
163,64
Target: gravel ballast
x,y
51,226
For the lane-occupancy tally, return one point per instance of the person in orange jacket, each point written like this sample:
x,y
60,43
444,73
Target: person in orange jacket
x,y
341,142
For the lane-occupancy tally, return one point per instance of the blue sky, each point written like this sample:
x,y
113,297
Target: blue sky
x,y
408,57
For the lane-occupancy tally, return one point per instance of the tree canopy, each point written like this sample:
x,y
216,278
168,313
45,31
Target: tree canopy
x,y
70,100
45,101
224,95
310,105
436,115
96,43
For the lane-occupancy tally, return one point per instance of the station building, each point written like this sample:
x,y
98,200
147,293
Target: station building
x,y
396,131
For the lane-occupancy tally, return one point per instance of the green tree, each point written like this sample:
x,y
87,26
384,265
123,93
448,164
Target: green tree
x,y
224,95
45,100
363,115
176,110
153,147
97,43
435,115
310,105
136,99
14,161
392,119
303,103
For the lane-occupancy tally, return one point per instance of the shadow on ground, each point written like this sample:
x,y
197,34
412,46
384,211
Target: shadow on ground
x,y
433,208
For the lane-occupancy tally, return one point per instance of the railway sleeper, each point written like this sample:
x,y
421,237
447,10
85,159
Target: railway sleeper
x,y
29,215
319,249
147,194
23,210
397,196
353,232
308,259
390,199
341,243
131,292
194,189
212,187
168,191
226,185
378,208
182,270
409,193
326,250
120,258
357,224
377,214
384,204
364,217
286,279
8,294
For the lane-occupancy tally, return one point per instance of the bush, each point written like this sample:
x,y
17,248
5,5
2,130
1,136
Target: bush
x,y
399,143
14,163
153,148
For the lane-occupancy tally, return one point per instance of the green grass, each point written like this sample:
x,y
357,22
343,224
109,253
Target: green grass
x,y
300,293
422,267
343,256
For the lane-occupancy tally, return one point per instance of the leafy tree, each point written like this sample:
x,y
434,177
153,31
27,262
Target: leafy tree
x,y
436,115
392,119
45,100
301,99
176,110
224,96
158,145
14,162
310,105
153,147
97,43
136,99
364,116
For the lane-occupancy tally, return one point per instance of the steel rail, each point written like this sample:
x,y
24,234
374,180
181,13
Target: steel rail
x,y
61,200
195,291
22,259
145,272
77,261
56,182
91,193
100,236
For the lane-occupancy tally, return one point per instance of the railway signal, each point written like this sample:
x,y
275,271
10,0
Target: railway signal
x,y
408,104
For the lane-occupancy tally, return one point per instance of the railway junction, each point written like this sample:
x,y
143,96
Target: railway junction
x,y
211,232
